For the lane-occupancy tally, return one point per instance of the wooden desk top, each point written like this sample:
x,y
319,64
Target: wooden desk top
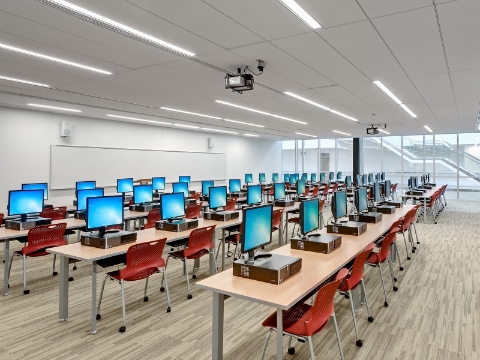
x,y
427,194
316,268
12,234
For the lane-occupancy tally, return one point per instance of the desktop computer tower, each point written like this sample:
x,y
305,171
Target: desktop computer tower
x,y
384,209
370,217
283,203
238,195
221,215
109,240
348,228
80,215
397,204
177,226
416,192
190,201
320,243
144,208
27,224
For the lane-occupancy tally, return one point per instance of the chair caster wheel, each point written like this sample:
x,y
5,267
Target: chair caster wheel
x,y
74,268
145,299
26,292
168,309
385,304
291,351
162,289
8,286
194,276
418,242
395,279
413,251
346,296
172,249
408,258
235,259
55,273
99,316
122,329
395,288
370,319
401,269
189,296
71,278
359,343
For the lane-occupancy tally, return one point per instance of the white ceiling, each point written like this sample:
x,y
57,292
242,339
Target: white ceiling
x,y
427,52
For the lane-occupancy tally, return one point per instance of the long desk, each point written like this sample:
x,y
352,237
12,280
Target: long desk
x,y
316,269
426,195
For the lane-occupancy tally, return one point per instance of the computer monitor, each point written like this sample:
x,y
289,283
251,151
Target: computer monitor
x,y
262,178
359,180
305,176
82,185
142,194
364,179
361,200
257,228
297,176
275,177
348,181
388,189
376,192
370,178
82,196
104,211
313,177
184,178
254,195
286,177
292,179
409,182
279,191
234,185
37,186
181,187
339,205
124,186
382,176
248,178
428,178
23,202
172,205
217,197
300,187
206,184
158,183
339,175
331,176
309,217
322,177
377,177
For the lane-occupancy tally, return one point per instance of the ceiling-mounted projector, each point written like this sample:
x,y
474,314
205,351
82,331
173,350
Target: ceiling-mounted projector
x,y
239,82
372,131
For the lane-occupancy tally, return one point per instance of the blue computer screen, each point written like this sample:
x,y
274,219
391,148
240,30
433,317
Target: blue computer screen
x,y
248,178
104,211
158,183
124,185
362,201
370,178
286,177
172,205
305,176
388,190
25,202
297,176
37,186
234,185
322,177
348,181
359,180
382,176
313,177
376,192
142,194
81,185
279,191
292,179
184,179
257,227
83,194
364,179
261,177
340,203
217,197
254,194
181,187
339,175
300,187
331,175
205,185
309,216
275,177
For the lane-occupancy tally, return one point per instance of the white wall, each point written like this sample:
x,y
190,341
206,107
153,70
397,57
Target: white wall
x,y
26,136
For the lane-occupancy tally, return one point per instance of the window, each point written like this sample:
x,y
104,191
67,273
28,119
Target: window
x,y
345,156
372,155
288,156
446,163
327,155
469,166
310,156
392,159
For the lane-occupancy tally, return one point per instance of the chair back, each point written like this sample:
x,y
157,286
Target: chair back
x,y
1,219
335,187
200,238
321,204
276,219
325,190
143,259
196,196
193,211
231,202
397,225
307,191
359,267
385,249
114,227
272,191
323,307
315,191
57,213
152,218
45,236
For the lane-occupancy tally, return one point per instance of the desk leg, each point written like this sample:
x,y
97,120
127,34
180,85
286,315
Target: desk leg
x,y
63,296
279,334
94,298
211,258
286,227
5,268
280,233
223,250
217,326
425,210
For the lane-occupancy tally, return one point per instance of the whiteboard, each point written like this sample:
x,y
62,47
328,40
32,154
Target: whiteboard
x,y
69,164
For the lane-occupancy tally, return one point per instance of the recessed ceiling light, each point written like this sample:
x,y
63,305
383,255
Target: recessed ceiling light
x,y
339,132
112,25
288,119
343,115
54,107
45,57
426,127
383,131
305,134
394,98
242,107
132,118
243,123
191,113
301,14
222,131
251,135
24,81
186,126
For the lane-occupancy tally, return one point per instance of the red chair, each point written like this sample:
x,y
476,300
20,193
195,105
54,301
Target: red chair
x,y
393,190
377,259
432,205
324,195
271,193
193,211
333,191
233,239
315,191
295,221
231,204
277,219
40,238
303,320
57,213
352,280
143,260
152,217
306,192
196,196
200,243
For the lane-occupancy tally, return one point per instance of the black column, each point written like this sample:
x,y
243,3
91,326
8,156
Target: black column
x,y
357,157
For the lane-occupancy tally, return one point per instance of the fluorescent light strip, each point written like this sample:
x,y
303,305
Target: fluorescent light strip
x,y
410,112
288,119
45,57
54,107
339,132
109,24
222,131
426,127
383,131
306,100
243,123
394,98
187,126
191,113
24,81
343,115
301,14
305,134
131,118
251,135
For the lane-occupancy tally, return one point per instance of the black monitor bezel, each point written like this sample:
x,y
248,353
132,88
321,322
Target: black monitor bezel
x,y
302,214
162,207
248,192
242,235
9,207
86,212
117,186
45,183
135,186
87,197
210,197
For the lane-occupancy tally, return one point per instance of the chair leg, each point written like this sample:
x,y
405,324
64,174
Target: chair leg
x,y
415,228
218,250
145,297
100,299
164,275
310,345
395,288
266,342
383,284
25,291
10,266
358,342
124,327
338,335
54,260
166,285
370,317
406,247
189,296
398,256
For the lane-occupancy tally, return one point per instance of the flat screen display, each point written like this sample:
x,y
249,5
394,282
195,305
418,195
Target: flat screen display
x,y
81,185
217,197
339,175
275,177
313,177
300,187
286,177
184,179
205,186
340,204
309,220
279,191
257,227
142,194
348,181
292,179
124,185
248,178
322,177
181,187
254,194
365,179
261,177
234,185
305,176
331,176
361,199
25,202
370,178
359,180
388,189
82,196
158,183
37,186
172,205
104,211
376,192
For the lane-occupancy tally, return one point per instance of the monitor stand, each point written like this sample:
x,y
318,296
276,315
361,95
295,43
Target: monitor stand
x,y
252,257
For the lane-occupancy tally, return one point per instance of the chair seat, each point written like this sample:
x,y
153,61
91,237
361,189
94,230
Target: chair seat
x,y
396,229
233,239
142,274
373,259
295,220
181,255
37,253
344,286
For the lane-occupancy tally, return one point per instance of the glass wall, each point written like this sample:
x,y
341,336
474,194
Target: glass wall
x,y
288,156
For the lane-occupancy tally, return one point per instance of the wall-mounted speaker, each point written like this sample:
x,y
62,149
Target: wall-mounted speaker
x,y
66,129
211,142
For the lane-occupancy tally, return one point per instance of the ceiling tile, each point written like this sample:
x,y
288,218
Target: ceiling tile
x,y
434,87
333,12
376,8
466,84
342,96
